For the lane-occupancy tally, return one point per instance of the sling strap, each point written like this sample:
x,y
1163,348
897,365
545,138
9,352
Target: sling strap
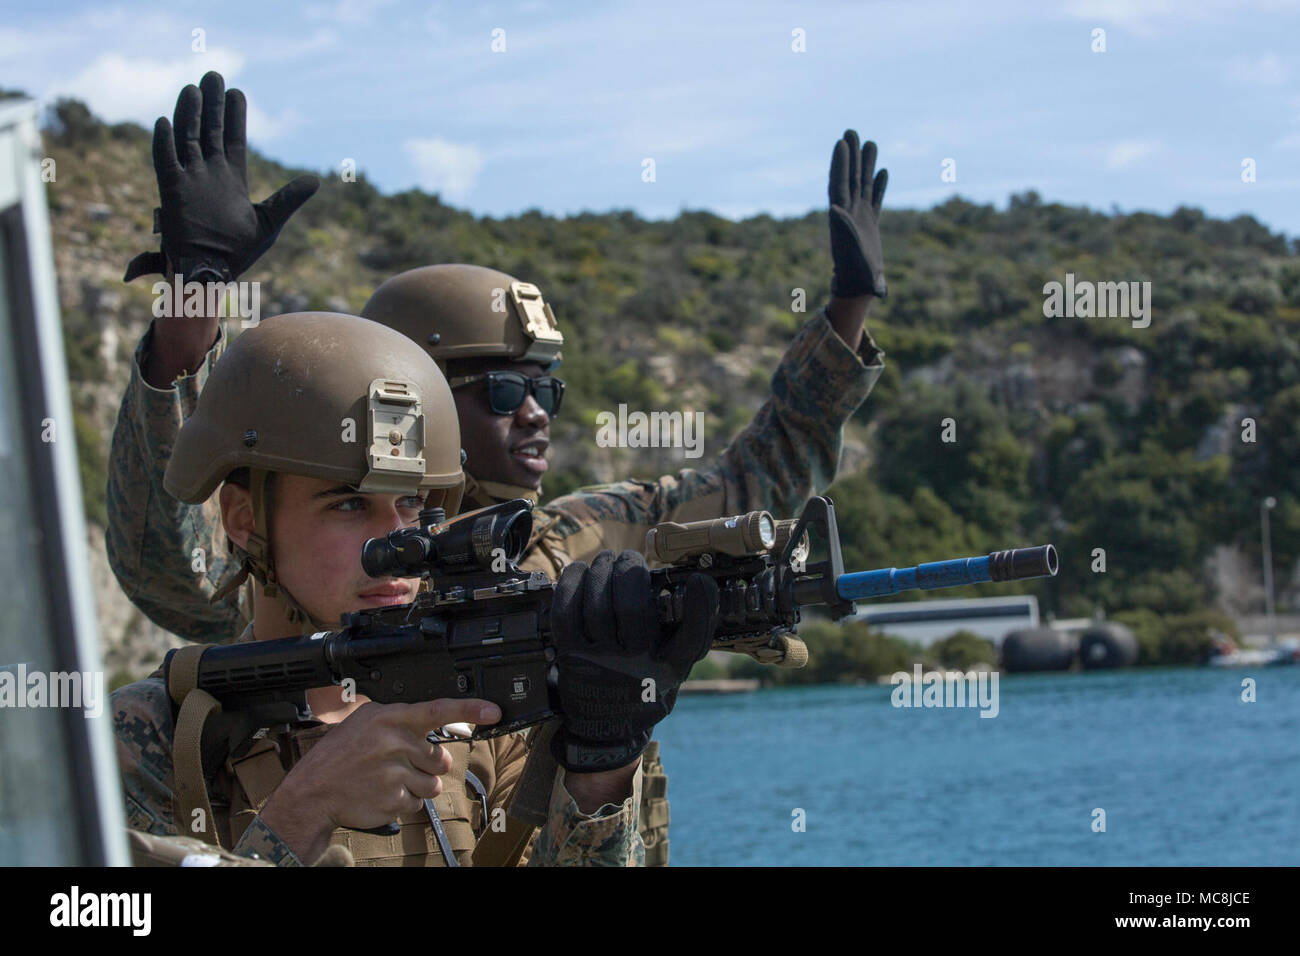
x,y
504,847
529,804
193,809
531,800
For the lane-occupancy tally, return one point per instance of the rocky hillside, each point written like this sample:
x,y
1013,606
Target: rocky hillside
x,y
1082,430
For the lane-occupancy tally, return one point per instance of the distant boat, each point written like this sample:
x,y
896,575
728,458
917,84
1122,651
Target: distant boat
x,y
1288,653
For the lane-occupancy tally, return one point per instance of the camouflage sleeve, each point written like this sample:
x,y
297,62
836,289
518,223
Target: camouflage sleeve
x,y
169,557
259,842
148,849
142,725
787,453
608,837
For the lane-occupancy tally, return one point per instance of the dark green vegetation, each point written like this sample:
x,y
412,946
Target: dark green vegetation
x,y
1085,432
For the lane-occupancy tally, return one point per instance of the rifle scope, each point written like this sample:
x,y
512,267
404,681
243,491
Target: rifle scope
x,y
474,541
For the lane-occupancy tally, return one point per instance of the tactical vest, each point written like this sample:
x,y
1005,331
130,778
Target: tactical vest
x,y
452,823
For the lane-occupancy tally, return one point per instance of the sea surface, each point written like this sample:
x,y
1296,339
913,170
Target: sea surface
x,y
1186,772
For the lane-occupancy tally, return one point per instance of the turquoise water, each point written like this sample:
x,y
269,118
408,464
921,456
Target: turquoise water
x,y
1187,774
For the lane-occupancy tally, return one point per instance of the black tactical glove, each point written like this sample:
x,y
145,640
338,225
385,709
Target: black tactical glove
x,y
855,219
619,668
210,230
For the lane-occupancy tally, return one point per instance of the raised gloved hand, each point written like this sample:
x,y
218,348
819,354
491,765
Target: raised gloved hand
x,y
210,230
856,191
619,668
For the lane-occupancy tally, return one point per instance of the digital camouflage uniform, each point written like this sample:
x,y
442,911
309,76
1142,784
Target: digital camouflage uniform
x,y
171,557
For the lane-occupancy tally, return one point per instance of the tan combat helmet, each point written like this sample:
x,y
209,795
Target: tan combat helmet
x,y
325,396
462,311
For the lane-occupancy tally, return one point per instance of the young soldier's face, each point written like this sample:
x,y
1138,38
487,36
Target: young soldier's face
x,y
506,448
318,528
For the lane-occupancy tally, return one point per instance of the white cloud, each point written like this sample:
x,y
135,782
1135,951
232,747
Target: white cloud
x,y
120,89
263,126
1125,154
446,168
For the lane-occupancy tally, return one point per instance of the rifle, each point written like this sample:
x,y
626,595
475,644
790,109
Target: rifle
x,y
482,629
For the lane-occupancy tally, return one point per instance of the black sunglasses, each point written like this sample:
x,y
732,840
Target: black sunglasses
x,y
507,390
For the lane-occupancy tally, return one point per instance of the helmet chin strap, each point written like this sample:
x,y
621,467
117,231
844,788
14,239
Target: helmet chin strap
x,y
448,499
256,561
480,494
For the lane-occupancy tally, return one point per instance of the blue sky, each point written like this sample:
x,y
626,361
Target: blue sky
x,y
735,120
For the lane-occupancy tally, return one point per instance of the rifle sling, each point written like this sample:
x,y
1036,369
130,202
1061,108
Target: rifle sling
x,y
531,800
504,847
187,749
183,672
191,788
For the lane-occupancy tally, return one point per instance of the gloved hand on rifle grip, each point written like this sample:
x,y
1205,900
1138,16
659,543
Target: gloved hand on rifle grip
x,y
619,668
210,230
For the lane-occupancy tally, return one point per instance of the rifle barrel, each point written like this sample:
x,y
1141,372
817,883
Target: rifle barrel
x,y
1015,565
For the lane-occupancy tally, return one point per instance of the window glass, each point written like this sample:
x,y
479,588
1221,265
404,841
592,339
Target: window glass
x,y
37,819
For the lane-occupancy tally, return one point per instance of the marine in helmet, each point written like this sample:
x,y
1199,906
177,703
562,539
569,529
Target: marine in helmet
x,y
500,345
316,432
